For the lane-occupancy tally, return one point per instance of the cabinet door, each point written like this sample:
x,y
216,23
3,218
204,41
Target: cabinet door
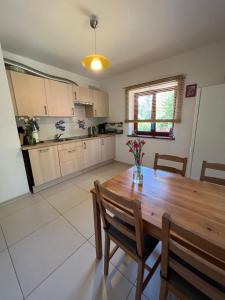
x,y
83,94
92,154
44,164
107,148
29,92
71,158
100,106
59,98
75,92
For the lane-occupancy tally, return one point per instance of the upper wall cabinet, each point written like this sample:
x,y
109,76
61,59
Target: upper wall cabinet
x,y
28,93
100,106
59,98
83,94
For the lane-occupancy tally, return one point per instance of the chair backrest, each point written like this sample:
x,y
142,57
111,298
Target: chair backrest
x,y
212,166
182,160
125,211
195,253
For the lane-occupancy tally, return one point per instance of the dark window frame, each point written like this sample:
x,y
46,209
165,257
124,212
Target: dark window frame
x,y
153,131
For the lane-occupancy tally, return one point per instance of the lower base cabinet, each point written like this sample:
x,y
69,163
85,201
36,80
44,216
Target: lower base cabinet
x,y
44,164
92,154
71,158
107,148
49,163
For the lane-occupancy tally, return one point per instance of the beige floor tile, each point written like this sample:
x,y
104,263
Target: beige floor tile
x,y
24,222
36,256
2,241
86,181
67,198
55,189
81,216
11,208
9,287
81,278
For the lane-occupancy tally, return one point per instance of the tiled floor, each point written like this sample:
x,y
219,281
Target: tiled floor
x,y
47,247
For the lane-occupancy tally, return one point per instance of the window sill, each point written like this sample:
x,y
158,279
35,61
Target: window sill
x,y
170,138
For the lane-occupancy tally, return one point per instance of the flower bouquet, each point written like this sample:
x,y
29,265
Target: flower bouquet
x,y
136,148
31,130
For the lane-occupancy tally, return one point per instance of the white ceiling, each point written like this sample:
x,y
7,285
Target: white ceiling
x,y
131,33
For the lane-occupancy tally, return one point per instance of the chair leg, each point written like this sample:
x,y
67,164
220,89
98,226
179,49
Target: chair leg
x,y
107,249
140,276
163,289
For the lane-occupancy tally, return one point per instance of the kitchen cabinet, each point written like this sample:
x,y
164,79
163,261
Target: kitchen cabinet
x,y
107,148
75,92
100,107
59,98
83,94
28,94
71,158
44,164
92,154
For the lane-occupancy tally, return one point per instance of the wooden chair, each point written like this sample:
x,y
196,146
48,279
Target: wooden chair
x,y
182,160
125,229
212,166
192,267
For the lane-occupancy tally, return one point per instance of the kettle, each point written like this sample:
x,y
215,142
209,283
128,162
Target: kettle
x,y
92,131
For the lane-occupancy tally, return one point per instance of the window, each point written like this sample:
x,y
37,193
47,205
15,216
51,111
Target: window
x,y
153,108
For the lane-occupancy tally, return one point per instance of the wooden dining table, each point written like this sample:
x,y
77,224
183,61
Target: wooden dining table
x,y
197,205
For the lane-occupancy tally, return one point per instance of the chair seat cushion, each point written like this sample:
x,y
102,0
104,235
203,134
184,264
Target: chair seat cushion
x,y
181,284
149,242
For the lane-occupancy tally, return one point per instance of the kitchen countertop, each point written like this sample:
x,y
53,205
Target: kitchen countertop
x,y
53,143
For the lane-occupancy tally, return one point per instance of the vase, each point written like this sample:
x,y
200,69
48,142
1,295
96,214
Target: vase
x,y
137,175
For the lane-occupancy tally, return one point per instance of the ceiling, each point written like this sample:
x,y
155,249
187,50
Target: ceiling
x,y
131,33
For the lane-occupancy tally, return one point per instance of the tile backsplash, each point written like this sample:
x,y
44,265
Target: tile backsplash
x,y
48,130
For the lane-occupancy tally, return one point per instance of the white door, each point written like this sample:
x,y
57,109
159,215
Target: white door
x,y
209,140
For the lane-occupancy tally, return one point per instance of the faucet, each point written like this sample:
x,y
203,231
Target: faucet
x,y
57,136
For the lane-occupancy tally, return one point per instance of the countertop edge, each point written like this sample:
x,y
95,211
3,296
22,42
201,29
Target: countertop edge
x,y
51,143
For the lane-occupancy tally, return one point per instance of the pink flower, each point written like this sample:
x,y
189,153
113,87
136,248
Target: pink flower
x,y
143,142
136,145
131,150
128,143
143,153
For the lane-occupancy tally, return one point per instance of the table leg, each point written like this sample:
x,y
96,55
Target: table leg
x,y
97,224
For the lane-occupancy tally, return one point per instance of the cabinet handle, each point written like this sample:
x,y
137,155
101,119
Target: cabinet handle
x,y
44,150
73,111
75,95
69,151
85,147
95,112
45,107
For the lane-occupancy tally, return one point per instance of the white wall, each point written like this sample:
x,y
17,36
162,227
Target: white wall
x,y
204,66
13,181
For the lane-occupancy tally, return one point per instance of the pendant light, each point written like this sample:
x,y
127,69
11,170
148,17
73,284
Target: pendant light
x,y
95,62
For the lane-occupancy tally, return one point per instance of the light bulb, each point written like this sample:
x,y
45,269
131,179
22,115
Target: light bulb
x,y
96,64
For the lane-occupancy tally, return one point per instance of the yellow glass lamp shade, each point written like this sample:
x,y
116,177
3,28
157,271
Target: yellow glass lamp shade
x,y
96,62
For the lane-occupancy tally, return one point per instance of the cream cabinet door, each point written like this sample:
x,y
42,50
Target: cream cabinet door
x,y
44,164
71,158
107,148
59,98
29,94
100,106
75,92
92,152
83,94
